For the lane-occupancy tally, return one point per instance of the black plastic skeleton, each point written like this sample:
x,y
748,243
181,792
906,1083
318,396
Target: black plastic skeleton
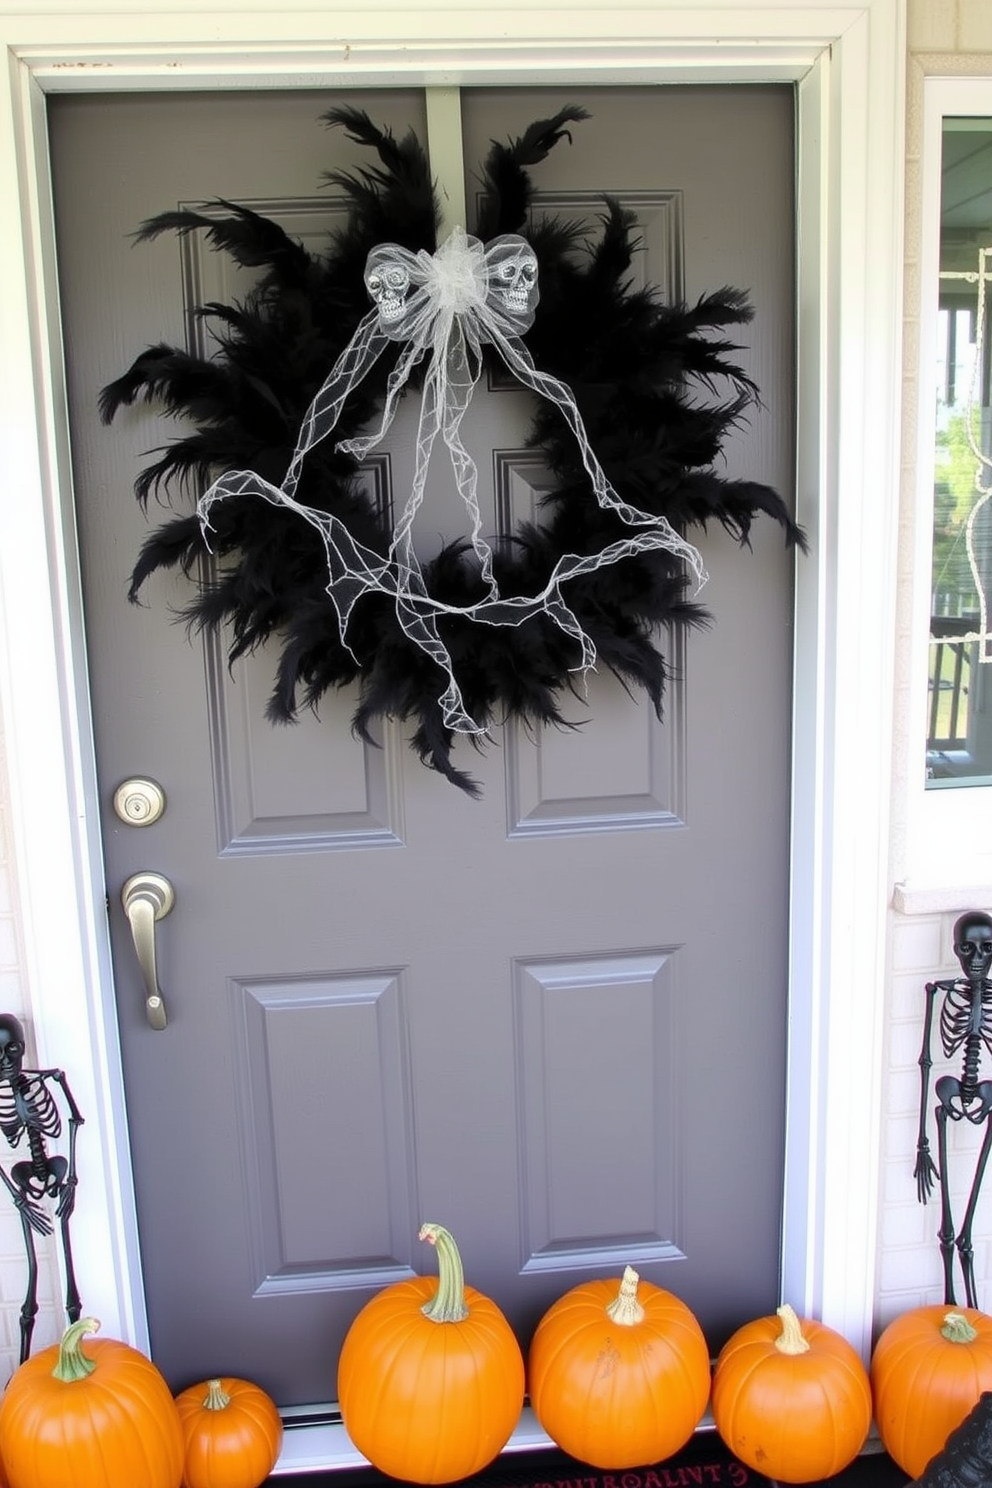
x,y
28,1109
965,1023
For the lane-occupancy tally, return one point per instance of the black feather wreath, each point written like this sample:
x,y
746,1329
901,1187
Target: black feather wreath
x,y
632,362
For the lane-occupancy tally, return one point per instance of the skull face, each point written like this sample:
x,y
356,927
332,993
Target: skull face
x,y
973,944
388,285
512,281
11,1046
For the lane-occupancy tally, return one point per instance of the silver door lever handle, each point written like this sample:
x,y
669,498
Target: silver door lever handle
x,y
148,897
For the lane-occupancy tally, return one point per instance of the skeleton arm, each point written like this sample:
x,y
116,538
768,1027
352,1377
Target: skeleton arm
x,y
75,1115
926,1171
67,1195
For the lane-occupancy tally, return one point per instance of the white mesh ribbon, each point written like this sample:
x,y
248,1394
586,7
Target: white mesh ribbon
x,y
444,308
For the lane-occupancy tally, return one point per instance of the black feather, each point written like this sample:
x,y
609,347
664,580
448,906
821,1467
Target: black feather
x,y
393,202
507,189
251,240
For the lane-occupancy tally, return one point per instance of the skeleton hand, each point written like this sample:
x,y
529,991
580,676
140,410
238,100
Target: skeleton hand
x,y
67,1199
36,1218
925,1171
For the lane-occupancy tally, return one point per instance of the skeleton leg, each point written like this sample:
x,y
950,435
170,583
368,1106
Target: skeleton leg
x,y
29,1310
32,1218
945,1235
53,1178
73,1303
964,1245
67,1203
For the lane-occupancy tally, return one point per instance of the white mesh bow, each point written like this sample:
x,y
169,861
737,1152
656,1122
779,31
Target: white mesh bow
x,y
445,307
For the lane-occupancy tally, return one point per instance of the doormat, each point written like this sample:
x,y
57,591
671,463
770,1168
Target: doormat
x,y
703,1463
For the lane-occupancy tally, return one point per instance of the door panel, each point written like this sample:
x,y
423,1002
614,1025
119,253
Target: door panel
x,y
552,1019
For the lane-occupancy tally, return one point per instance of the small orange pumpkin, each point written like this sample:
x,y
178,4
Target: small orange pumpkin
x,y
619,1378
791,1398
431,1378
102,1419
231,1433
928,1369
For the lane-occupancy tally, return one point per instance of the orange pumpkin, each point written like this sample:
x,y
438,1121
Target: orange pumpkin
x,y
231,1433
791,1398
101,1419
431,1378
929,1367
619,1378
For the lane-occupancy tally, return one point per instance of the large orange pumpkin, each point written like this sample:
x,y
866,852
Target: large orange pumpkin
x,y
431,1377
619,1377
928,1369
791,1398
101,1419
231,1433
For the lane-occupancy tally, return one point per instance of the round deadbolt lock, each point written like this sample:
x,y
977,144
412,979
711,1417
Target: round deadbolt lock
x,y
139,802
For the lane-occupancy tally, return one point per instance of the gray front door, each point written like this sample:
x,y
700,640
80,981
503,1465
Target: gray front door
x,y
552,1019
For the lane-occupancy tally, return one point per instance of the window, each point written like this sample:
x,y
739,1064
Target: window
x,y
959,683
944,855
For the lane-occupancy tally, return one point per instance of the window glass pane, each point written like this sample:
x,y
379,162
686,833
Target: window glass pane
x,y
959,730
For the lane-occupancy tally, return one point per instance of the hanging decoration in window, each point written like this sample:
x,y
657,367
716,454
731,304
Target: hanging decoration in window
x,y
306,380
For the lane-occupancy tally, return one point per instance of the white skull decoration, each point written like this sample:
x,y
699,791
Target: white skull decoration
x,y
513,278
388,284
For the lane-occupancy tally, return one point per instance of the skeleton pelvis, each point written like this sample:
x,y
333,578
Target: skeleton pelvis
x,y
973,1103
38,1179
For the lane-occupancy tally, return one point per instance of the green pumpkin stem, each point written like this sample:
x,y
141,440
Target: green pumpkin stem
x,y
216,1398
72,1364
625,1309
448,1303
790,1340
957,1328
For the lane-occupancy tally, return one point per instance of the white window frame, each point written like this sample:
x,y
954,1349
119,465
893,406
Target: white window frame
x,y
948,862
848,62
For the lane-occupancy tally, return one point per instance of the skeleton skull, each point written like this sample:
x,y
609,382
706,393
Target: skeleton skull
x,y
11,1046
513,279
973,943
388,285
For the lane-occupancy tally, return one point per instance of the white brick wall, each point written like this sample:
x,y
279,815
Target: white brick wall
x,y
14,998
910,1272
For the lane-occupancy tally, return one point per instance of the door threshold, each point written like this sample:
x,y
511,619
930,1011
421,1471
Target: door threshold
x,y
315,1440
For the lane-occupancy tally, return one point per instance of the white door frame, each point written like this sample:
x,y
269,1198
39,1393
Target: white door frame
x,y
848,62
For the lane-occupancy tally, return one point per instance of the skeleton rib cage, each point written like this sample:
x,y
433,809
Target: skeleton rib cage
x,y
27,1105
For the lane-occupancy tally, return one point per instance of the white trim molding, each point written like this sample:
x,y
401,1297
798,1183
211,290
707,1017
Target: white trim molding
x,y
848,64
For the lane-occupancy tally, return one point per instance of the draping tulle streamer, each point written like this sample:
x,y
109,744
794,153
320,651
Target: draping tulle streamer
x,y
446,307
